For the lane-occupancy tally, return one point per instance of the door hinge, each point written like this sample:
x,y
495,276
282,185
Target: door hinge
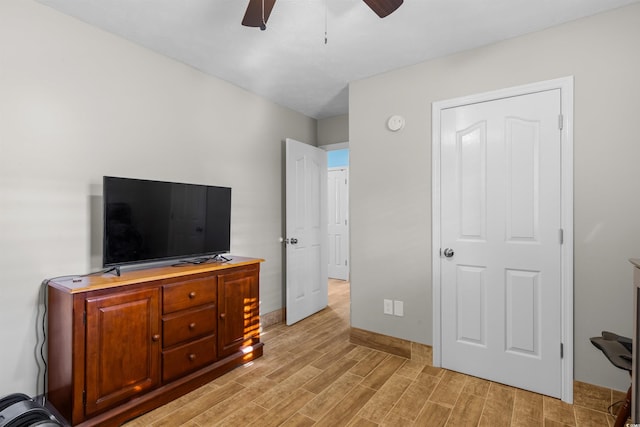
x,y
345,263
560,121
561,233
561,351
345,181
84,397
345,222
84,317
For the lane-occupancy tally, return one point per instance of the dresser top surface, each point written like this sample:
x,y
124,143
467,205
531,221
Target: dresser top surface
x,y
84,283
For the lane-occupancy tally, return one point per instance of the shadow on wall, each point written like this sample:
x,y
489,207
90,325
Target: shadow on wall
x,y
96,226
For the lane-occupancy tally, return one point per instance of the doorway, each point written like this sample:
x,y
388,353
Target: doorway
x,y
306,230
502,245
307,225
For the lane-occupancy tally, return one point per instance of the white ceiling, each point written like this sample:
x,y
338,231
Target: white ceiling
x,y
290,63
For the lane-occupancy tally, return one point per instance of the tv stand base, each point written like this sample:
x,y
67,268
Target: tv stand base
x,y
178,328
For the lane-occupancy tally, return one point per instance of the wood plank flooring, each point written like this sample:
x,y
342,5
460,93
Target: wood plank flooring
x,y
310,374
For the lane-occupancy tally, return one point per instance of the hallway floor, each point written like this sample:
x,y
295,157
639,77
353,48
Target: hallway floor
x,y
310,374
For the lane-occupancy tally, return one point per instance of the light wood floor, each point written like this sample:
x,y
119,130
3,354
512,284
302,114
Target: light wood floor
x,y
310,374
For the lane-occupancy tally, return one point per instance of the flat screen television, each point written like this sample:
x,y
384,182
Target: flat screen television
x,y
147,221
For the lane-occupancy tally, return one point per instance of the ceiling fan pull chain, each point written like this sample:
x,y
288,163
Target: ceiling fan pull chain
x,y
325,21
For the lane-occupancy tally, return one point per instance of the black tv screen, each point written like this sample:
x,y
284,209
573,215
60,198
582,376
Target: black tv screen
x,y
148,221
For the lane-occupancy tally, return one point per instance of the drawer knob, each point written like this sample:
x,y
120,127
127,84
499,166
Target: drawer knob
x,y
192,294
192,325
156,337
223,315
192,357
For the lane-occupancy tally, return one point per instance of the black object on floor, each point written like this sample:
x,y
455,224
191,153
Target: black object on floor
x,y
618,350
19,410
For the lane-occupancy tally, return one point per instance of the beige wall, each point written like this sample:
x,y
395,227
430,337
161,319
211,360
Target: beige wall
x,y
391,175
77,103
333,130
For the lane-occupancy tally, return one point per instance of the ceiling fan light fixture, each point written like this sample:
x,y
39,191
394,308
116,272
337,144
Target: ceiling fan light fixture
x,y
258,11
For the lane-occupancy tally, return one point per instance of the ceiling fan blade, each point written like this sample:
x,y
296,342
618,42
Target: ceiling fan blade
x,y
254,16
383,8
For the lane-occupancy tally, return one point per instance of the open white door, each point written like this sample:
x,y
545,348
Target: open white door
x,y
306,230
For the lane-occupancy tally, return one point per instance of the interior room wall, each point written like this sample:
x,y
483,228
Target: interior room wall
x,y
77,103
333,130
391,175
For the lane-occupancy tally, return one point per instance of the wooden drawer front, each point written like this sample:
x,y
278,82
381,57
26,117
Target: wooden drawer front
x,y
188,358
184,326
188,294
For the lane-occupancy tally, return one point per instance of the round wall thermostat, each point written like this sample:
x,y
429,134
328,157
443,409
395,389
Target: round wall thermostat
x,y
395,123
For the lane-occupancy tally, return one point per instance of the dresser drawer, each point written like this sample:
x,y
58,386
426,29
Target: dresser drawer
x,y
188,358
186,325
188,294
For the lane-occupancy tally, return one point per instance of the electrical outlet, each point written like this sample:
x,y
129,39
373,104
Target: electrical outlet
x,y
398,308
388,306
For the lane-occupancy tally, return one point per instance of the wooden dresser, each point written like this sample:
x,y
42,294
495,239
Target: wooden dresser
x,y
121,346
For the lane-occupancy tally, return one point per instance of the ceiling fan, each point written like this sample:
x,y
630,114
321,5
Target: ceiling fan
x,y
258,11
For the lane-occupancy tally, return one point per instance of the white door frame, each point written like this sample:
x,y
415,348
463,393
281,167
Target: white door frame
x,y
336,146
565,85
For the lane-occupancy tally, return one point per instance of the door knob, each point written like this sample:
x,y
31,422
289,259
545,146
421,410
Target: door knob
x,y
448,252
